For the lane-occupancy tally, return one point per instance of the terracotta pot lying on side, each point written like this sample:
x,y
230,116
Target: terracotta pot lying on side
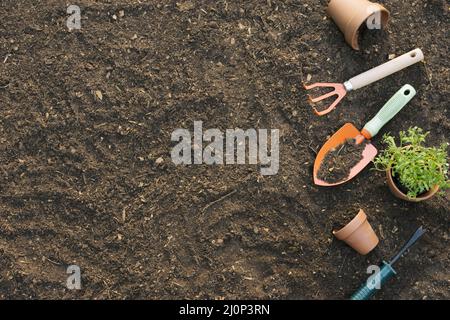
x,y
399,194
358,234
350,15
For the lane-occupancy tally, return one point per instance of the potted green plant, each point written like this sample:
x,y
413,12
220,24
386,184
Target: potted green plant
x,y
414,171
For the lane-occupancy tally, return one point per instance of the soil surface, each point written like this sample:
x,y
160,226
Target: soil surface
x,y
343,217
338,162
86,176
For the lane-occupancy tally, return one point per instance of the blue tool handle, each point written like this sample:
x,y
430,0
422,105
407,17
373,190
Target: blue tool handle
x,y
374,283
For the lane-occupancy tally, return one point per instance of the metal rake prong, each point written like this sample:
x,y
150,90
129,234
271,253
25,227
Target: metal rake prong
x,y
330,108
321,84
309,87
339,91
323,97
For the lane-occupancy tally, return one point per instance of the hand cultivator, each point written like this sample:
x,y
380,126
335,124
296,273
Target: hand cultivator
x,y
364,79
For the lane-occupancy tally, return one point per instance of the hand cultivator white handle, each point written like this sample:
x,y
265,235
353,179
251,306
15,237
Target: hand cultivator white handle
x,y
385,70
364,79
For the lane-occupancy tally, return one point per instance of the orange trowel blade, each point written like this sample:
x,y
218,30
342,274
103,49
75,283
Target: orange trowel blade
x,y
348,131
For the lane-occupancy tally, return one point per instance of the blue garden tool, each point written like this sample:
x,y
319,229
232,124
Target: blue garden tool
x,y
385,271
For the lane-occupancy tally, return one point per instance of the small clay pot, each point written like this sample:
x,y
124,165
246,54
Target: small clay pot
x,y
358,234
399,194
349,16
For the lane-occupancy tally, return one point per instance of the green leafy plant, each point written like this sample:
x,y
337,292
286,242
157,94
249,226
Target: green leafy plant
x,y
417,167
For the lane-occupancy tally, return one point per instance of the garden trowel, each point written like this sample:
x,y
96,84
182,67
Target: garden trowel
x,y
349,133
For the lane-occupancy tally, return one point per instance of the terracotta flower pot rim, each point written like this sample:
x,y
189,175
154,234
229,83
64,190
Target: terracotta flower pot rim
x,y
351,227
350,15
352,34
399,194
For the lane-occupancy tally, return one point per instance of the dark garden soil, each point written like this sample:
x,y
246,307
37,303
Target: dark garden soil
x,y
86,176
342,217
338,162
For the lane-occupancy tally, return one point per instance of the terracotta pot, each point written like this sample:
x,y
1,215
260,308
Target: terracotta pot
x,y
358,234
349,15
399,194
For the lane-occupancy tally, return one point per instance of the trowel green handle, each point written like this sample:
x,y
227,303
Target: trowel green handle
x,y
374,283
390,109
